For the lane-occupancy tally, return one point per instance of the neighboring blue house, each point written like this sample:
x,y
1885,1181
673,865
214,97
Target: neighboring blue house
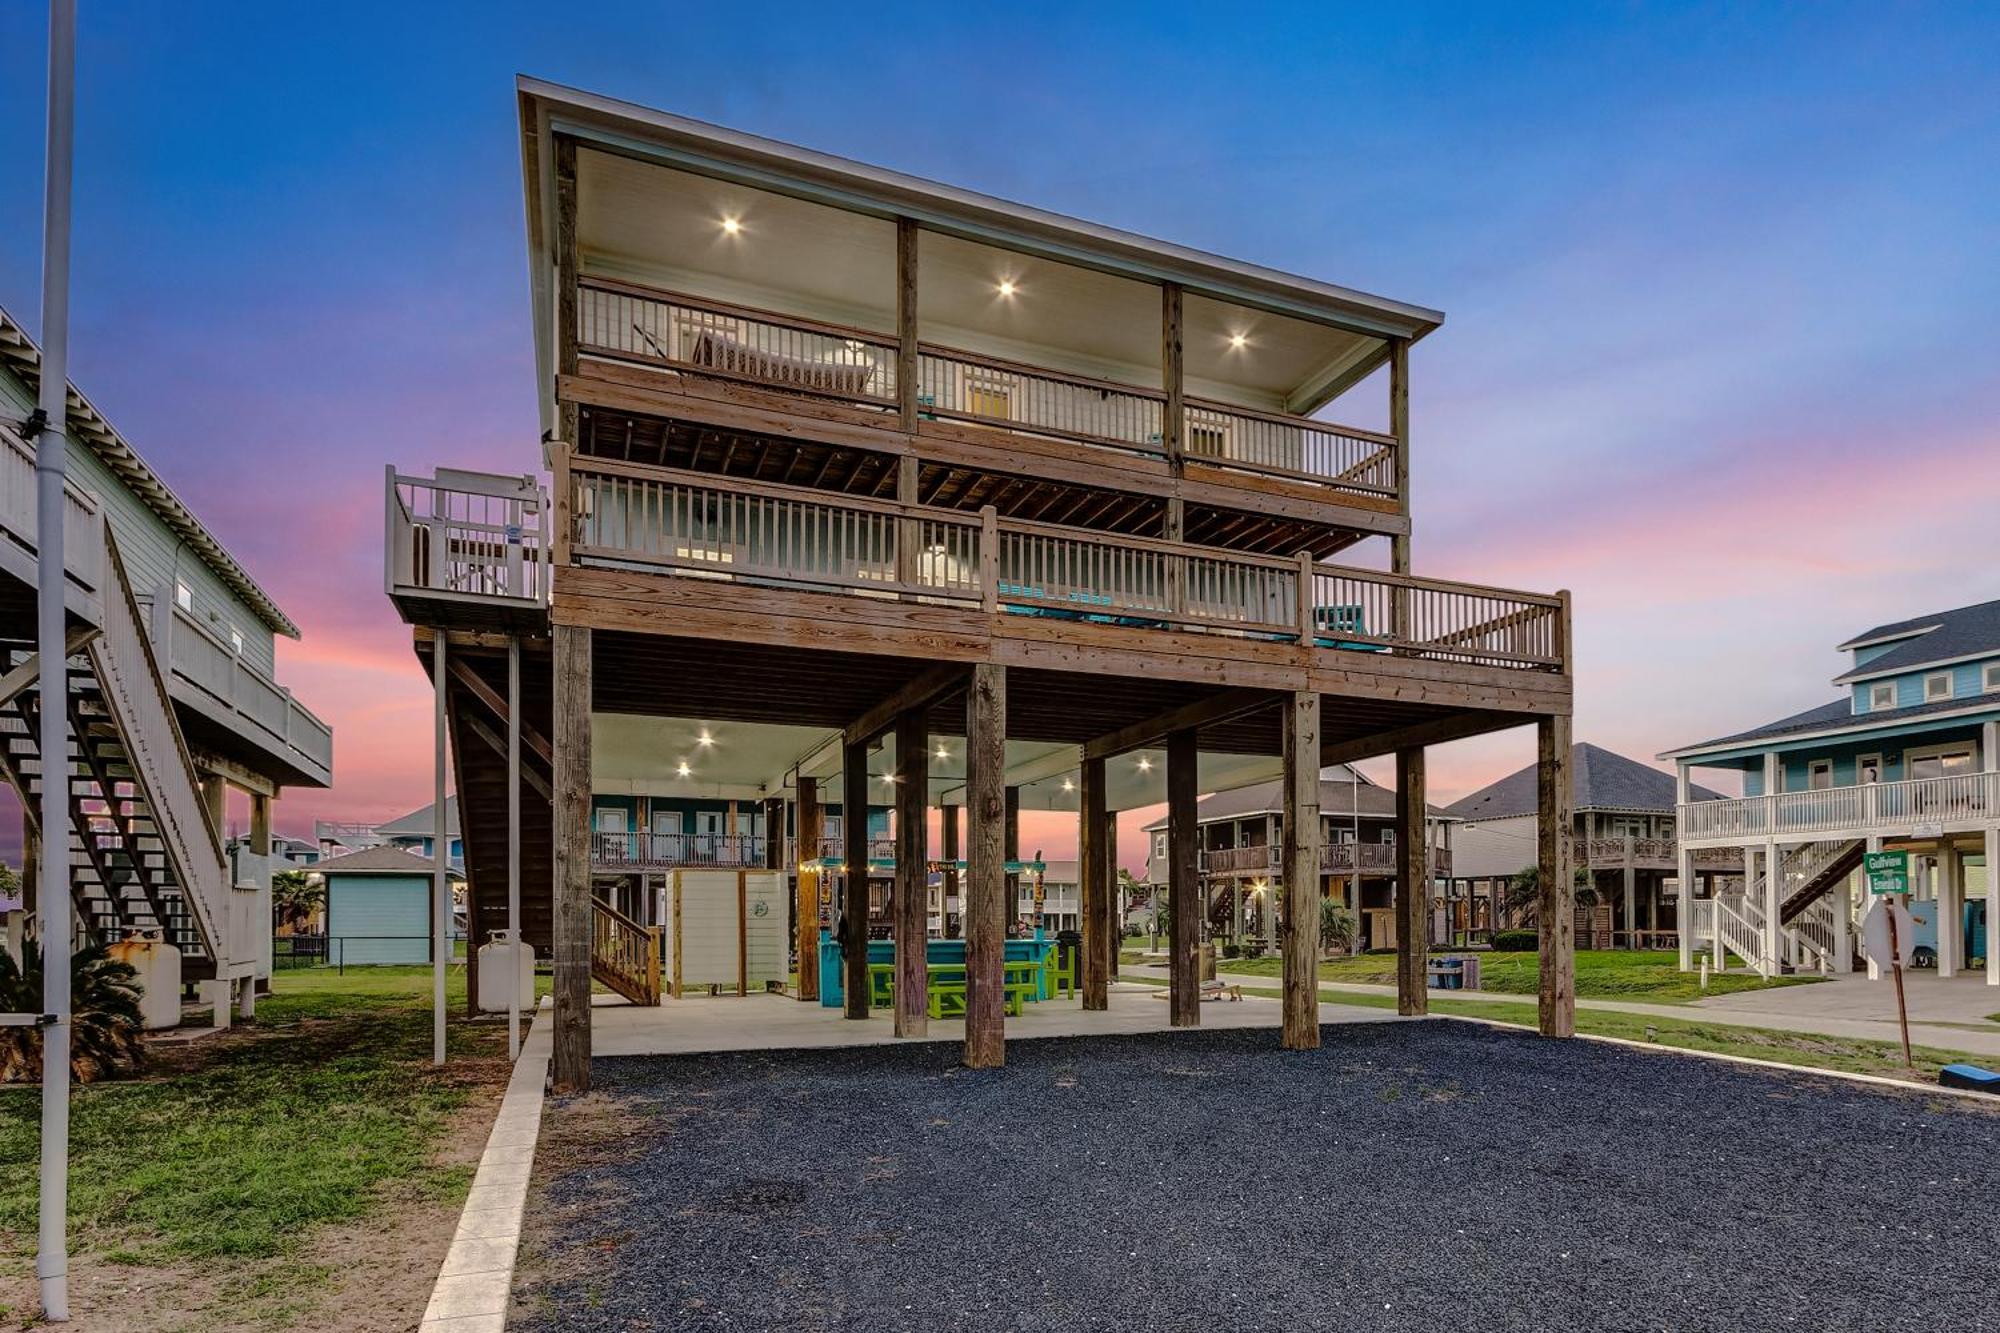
x,y
417,832
378,906
1906,759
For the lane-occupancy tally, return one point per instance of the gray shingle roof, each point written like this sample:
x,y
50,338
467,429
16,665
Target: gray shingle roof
x,y
1337,796
377,861
1944,636
1600,778
1836,714
421,822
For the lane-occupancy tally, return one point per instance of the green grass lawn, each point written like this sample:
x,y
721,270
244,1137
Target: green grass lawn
x,y
236,1147
1601,974
1807,1051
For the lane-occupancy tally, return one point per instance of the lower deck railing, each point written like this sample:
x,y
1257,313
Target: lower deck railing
x,y
708,527
658,851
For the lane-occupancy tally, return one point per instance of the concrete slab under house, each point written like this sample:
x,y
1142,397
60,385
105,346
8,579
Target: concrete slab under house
x,y
877,512
1907,760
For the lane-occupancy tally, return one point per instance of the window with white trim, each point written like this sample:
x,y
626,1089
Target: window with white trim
x,y
1881,695
183,598
1992,680
1819,774
236,640
1937,686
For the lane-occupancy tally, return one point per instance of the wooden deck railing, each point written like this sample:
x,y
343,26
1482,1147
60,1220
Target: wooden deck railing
x,y
1962,799
668,851
1342,857
1649,854
200,658
718,340
716,527
624,955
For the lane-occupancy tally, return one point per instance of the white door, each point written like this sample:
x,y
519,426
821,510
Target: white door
x,y
667,835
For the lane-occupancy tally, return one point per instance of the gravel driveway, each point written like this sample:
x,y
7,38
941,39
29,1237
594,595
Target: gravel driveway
x,y
1423,1176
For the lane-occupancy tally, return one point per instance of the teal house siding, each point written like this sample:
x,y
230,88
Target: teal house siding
x,y
378,918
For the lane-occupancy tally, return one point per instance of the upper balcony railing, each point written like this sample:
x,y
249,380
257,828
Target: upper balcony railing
x,y
721,528
467,536
222,676
83,547
758,347
1648,854
1958,801
1340,857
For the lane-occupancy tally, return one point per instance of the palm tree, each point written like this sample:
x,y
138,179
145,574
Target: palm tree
x,y
105,1027
295,896
1525,889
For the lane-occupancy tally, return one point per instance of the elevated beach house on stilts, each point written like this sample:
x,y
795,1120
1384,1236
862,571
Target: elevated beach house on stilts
x,y
1240,839
173,702
1624,850
869,490
1907,758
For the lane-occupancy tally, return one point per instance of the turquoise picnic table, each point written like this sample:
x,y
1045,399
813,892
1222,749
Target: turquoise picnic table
x,y
1051,973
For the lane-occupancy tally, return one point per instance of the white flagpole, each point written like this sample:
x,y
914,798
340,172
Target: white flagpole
x,y
52,1256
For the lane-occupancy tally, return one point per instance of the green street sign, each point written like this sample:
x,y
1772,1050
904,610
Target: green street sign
x,y
1888,872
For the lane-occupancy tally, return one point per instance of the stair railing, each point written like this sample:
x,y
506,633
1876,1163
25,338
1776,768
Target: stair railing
x,y
624,955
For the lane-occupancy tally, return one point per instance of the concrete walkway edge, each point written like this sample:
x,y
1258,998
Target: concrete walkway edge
x,y
476,1280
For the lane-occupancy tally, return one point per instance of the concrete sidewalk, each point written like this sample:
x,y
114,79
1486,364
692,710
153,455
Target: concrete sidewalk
x,y
1849,1007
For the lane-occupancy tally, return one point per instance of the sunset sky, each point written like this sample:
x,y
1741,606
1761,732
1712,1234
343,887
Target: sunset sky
x,y
1721,353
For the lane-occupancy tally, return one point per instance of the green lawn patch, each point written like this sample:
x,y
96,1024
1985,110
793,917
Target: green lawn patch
x,y
238,1146
1601,974
1805,1050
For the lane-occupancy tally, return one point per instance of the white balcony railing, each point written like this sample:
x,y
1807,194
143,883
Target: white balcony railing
x,y
199,658
1962,799
468,536
83,548
662,851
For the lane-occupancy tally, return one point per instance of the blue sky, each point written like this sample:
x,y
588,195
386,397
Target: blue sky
x,y
1721,282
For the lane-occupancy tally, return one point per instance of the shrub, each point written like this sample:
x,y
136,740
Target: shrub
x,y
1516,941
1336,926
1231,949
105,1029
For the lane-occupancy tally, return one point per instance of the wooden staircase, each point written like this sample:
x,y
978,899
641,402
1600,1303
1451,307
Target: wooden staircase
x,y
624,955
1826,870
143,854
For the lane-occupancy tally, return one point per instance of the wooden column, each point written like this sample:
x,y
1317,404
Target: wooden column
x,y
1299,925
1184,898
1399,427
985,881
811,828
572,924
1413,887
774,832
1099,939
1117,939
854,879
1010,846
912,901
948,850
1173,432
907,365
1556,910
1684,878
567,296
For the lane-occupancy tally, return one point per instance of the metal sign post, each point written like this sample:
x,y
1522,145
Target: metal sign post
x,y
1889,879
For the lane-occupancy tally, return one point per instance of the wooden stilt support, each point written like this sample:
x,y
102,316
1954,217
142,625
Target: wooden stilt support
x,y
953,886
1099,937
854,879
1117,939
985,878
571,651
1299,926
1413,887
1556,911
912,903
1010,848
811,828
1184,899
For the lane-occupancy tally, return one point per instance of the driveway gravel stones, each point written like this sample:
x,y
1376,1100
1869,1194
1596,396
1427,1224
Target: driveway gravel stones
x,y
1420,1176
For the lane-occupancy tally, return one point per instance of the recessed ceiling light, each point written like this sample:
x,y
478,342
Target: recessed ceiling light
x,y
1237,340
730,226
942,753
1068,785
704,739
1145,764
682,769
1006,286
